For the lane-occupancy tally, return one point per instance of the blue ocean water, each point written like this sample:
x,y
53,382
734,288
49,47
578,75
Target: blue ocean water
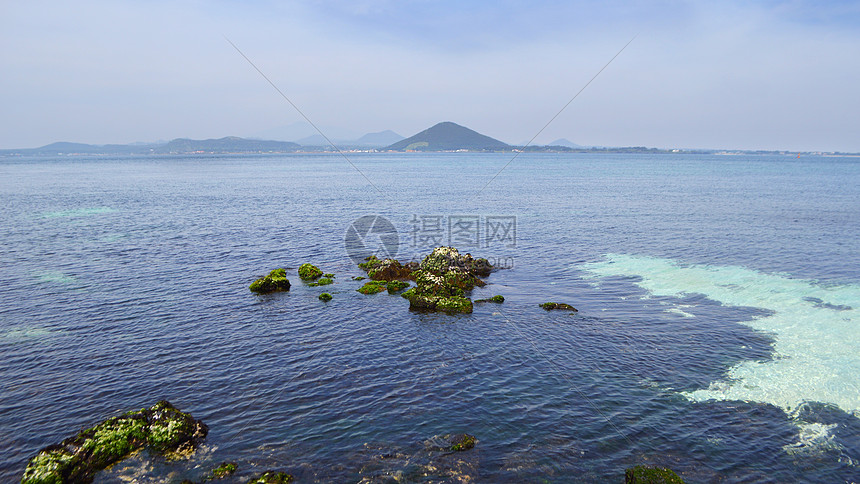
x,y
717,331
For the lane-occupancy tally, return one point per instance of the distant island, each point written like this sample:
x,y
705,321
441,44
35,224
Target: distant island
x,y
442,137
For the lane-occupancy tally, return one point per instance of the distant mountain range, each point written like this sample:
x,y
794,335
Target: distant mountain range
x,y
445,136
448,136
370,140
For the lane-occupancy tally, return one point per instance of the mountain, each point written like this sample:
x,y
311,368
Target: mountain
x,y
448,136
382,138
318,140
229,144
376,140
565,142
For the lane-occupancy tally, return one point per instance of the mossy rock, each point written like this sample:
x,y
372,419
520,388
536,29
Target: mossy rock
x,y
162,428
385,269
309,272
549,306
275,281
396,286
222,471
651,475
429,302
325,297
461,442
358,278
495,299
322,281
329,275
372,287
444,259
271,477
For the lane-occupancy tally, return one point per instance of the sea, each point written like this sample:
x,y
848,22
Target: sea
x,y
717,332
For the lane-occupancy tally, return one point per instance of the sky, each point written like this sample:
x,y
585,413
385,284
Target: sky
x,y
772,75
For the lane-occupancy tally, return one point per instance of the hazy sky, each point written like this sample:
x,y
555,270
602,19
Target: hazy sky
x,y
700,74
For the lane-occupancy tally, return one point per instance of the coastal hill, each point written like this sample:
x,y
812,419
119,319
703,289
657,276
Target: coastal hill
x,y
448,136
229,144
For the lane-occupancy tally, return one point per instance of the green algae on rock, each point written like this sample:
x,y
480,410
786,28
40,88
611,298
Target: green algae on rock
x,y
396,286
222,471
549,306
271,477
495,299
461,442
325,297
275,281
161,428
322,281
651,475
372,287
309,272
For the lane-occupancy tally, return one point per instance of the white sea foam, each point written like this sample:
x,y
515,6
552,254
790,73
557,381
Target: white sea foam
x,y
21,334
817,347
55,277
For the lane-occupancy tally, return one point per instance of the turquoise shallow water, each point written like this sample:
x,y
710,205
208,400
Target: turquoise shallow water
x,y
717,330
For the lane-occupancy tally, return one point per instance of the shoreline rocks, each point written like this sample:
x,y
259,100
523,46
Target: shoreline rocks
x,y
161,428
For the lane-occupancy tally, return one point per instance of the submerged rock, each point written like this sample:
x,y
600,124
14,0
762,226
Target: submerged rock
x,y
275,281
495,299
372,287
222,471
309,272
271,477
322,281
651,475
396,286
461,442
549,306
161,428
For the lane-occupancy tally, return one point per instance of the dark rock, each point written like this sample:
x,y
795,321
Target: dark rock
x,y
549,306
651,475
161,428
275,281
